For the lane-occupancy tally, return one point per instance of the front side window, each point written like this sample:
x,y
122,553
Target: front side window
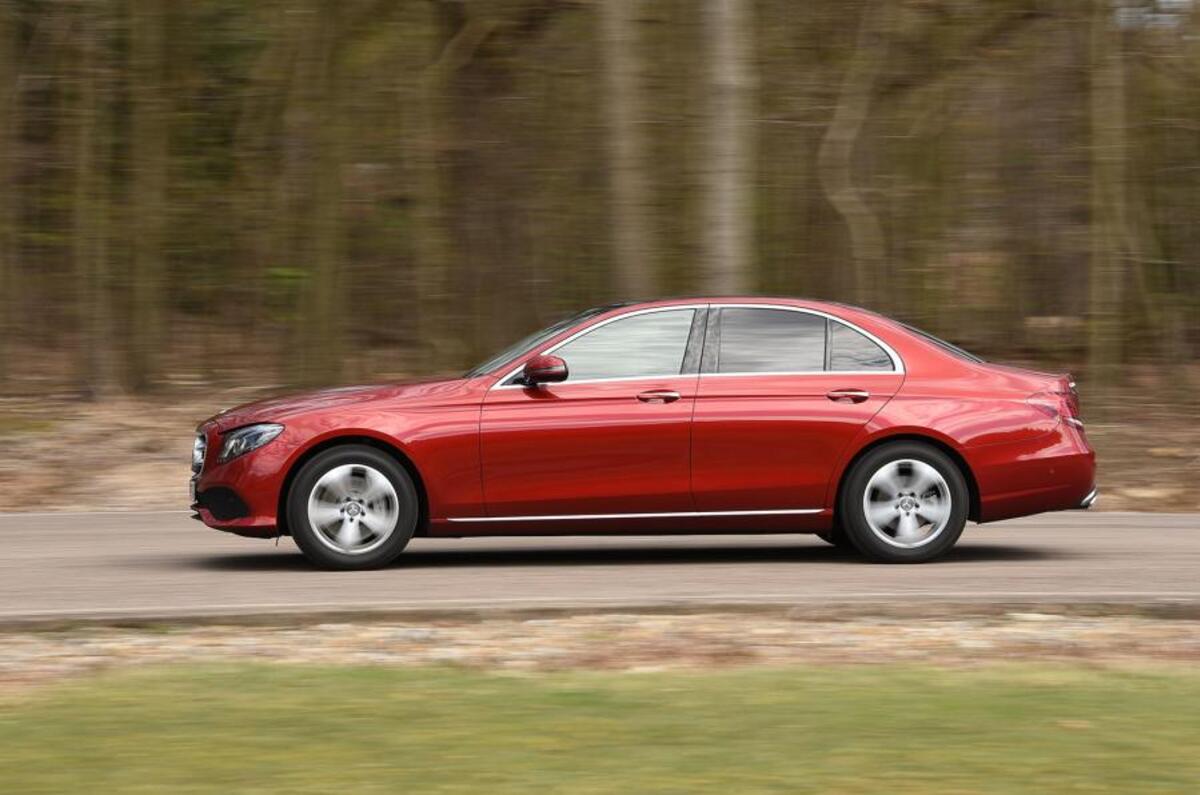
x,y
646,345
770,341
852,350
535,339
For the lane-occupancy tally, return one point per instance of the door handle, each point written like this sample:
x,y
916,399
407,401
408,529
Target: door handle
x,y
658,396
851,395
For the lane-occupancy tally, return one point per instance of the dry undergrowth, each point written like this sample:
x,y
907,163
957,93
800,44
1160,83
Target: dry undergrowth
x,y
612,641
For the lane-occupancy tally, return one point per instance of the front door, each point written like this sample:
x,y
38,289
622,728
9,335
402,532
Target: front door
x,y
782,393
614,438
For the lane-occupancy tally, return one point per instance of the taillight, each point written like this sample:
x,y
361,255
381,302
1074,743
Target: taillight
x,y
1071,402
1059,403
1047,403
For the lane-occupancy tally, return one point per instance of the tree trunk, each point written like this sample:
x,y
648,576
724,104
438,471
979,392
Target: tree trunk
x,y
631,206
835,160
9,130
457,37
729,170
89,238
321,325
148,155
1108,213
257,204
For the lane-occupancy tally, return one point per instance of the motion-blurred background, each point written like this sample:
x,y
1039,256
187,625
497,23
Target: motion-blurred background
x,y
204,201
245,196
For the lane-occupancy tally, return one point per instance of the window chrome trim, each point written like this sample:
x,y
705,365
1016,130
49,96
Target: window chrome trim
x,y
801,372
694,307
617,380
897,362
667,515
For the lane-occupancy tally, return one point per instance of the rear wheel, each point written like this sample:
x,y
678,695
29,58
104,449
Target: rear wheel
x,y
352,507
904,502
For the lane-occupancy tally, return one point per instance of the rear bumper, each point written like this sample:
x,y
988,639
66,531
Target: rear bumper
x,y
1052,473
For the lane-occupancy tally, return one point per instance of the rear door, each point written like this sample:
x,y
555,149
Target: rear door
x,y
781,394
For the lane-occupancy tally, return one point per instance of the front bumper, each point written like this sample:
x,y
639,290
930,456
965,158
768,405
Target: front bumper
x,y
240,496
222,503
1089,500
219,518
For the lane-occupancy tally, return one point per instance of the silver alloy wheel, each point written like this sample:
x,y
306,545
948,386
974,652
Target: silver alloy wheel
x,y
907,503
353,509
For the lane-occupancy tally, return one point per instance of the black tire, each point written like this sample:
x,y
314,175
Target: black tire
x,y
308,538
836,537
853,517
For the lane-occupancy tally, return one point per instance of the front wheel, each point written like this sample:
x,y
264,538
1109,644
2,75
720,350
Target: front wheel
x,y
904,502
352,507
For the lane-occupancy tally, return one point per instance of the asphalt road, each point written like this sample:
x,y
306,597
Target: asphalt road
x,y
149,565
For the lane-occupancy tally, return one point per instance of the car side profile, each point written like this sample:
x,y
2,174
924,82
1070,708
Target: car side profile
x,y
715,415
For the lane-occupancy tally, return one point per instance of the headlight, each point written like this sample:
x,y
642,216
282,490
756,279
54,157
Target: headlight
x,y
243,440
199,448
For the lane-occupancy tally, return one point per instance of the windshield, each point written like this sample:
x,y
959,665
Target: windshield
x,y
950,347
535,339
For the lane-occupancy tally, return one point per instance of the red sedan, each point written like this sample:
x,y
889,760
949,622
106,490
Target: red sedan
x,y
682,416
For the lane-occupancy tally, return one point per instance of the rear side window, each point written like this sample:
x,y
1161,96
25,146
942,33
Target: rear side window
x,y
646,345
770,341
851,350
949,347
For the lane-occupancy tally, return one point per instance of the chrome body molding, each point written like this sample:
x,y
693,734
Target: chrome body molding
x,y
671,515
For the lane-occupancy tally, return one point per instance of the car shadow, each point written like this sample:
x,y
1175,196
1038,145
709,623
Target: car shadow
x,y
415,558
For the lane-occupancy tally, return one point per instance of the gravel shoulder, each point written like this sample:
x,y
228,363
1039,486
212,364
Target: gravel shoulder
x,y
614,641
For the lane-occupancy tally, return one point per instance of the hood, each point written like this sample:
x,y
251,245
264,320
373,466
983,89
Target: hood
x,y
280,409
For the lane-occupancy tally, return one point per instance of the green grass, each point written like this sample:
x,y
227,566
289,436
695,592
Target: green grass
x,y
260,728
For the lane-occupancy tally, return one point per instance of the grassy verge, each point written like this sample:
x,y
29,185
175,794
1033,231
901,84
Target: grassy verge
x,y
261,728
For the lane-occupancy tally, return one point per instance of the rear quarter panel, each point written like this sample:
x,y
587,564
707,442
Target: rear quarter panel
x,y
1022,460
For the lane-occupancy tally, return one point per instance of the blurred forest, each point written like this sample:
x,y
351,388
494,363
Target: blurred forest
x,y
314,191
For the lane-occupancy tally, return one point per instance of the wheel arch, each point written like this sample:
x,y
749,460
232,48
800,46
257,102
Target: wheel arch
x,y
954,454
383,446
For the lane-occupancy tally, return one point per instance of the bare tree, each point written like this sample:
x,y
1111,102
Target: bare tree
x,y
1108,216
631,208
148,190
322,324
258,196
729,166
835,161
9,106
458,34
89,249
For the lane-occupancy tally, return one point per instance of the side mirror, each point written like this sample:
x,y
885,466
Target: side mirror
x,y
544,369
